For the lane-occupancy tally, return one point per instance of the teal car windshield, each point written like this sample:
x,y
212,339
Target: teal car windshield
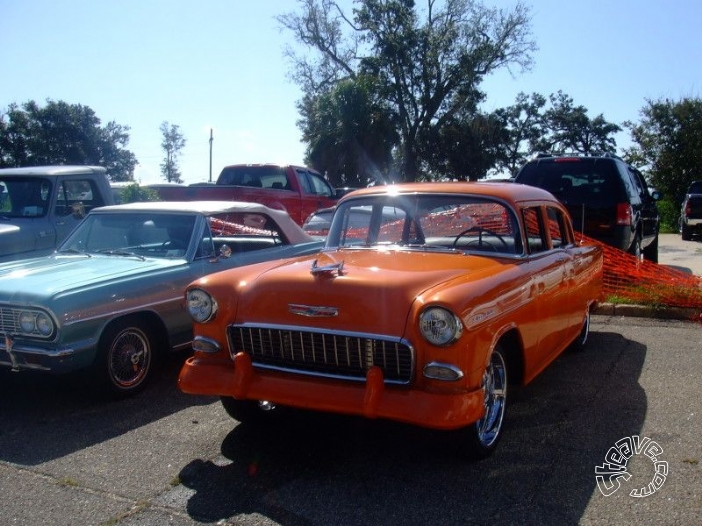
x,y
144,234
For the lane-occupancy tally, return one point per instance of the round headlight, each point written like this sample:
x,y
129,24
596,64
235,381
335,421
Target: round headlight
x,y
44,324
201,306
440,326
27,321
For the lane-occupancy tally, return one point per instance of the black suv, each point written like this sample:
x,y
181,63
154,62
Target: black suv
x,y
608,199
691,213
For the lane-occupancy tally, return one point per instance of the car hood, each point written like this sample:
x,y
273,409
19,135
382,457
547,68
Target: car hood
x,y
47,276
371,292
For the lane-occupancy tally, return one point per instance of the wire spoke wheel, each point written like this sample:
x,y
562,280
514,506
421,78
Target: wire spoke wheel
x,y
129,358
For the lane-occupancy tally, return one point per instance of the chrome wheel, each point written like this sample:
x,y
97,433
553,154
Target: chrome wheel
x,y
480,439
495,398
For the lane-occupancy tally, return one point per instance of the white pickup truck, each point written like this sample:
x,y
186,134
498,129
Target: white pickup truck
x,y
40,206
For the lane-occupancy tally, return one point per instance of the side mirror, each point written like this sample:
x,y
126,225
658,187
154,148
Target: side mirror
x,y
656,195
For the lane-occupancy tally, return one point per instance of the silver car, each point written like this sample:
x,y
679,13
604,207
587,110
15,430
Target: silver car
x,y
110,299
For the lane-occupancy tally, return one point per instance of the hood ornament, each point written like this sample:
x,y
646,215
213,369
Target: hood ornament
x,y
333,269
312,311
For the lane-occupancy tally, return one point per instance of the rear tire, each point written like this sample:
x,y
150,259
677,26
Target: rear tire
x,y
635,249
581,340
650,253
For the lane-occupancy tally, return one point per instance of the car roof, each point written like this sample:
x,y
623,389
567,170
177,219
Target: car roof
x,y
204,207
510,192
290,229
52,170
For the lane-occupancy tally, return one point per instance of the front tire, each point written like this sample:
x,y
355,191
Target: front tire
x,y
125,358
479,440
249,411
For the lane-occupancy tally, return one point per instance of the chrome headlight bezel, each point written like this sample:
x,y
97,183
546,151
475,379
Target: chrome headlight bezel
x,y
439,326
36,323
200,304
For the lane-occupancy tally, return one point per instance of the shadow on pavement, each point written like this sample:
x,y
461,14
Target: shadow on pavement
x,y
331,469
45,417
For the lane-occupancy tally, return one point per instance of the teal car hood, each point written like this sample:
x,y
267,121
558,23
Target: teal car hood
x,y
47,276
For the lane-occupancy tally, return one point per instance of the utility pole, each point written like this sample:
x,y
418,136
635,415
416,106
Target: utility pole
x,y
210,154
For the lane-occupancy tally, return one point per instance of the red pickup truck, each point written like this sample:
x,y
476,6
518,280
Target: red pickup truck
x,y
296,189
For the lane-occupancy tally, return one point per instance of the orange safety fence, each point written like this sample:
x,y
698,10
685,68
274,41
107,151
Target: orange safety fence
x,y
627,279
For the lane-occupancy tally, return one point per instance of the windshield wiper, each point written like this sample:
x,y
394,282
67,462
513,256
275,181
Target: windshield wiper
x,y
120,252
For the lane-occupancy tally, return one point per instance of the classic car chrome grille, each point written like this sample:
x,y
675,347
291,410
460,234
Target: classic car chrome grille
x,y
9,320
346,356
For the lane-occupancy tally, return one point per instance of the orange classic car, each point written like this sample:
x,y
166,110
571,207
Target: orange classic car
x,y
422,309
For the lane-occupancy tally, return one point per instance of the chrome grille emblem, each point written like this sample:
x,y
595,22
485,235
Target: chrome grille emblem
x,y
313,311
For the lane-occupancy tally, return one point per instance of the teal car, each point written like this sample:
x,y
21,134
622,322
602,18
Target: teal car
x,y
110,300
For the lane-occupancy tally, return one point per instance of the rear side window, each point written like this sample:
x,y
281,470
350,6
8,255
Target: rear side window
x,y
533,222
576,181
557,227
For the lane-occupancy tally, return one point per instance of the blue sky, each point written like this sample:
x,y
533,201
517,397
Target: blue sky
x,y
219,64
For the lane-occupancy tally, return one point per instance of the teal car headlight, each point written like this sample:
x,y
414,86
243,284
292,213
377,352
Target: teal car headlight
x,y
440,326
201,306
35,323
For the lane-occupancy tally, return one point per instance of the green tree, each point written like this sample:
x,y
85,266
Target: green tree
x,y
427,64
349,134
62,133
569,129
668,144
466,147
524,125
172,143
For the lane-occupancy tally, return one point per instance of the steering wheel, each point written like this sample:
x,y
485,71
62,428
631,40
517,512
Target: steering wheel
x,y
480,242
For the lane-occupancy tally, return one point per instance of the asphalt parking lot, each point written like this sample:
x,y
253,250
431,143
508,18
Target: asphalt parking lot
x,y
166,458
162,457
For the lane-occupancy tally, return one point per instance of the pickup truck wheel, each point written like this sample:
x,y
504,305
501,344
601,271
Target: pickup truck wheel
x,y
480,439
249,411
125,358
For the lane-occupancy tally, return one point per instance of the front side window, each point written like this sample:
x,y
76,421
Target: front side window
x,y
313,183
26,197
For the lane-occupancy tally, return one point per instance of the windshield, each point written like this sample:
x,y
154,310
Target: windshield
x,y
24,197
142,234
436,222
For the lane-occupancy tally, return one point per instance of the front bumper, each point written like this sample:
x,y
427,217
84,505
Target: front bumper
x,y
372,398
22,356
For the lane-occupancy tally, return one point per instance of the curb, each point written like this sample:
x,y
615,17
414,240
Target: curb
x,y
648,311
